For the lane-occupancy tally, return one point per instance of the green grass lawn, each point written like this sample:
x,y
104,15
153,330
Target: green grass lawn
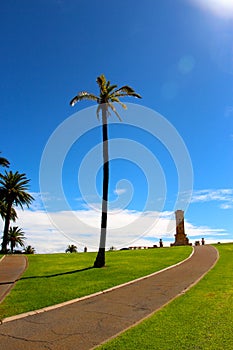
x,y
54,278
199,320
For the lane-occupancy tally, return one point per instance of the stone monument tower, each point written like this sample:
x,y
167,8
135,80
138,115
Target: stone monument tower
x,y
180,236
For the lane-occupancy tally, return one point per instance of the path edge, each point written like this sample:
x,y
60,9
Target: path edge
x,y
2,258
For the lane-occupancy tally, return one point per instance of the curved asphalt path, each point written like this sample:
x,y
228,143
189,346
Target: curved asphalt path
x,y
11,268
86,323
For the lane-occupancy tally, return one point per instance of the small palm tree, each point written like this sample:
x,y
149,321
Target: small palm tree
x,y
13,191
15,237
71,249
108,95
29,250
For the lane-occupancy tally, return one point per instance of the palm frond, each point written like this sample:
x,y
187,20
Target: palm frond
x,y
4,162
83,95
101,81
23,199
116,99
124,94
115,111
126,91
14,215
126,88
111,88
98,111
122,105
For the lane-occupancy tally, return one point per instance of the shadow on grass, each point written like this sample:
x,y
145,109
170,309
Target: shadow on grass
x,y
49,276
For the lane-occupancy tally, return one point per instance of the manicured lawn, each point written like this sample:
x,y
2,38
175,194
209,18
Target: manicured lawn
x,y
54,278
200,319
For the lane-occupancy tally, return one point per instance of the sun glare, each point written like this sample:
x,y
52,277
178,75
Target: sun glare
x,y
223,8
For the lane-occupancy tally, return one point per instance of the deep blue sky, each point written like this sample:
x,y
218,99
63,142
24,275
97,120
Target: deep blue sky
x,y
176,54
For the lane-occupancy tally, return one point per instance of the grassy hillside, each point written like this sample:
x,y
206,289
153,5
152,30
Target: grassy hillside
x,y
54,278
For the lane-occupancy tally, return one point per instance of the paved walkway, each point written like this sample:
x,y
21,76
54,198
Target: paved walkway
x,y
11,268
84,324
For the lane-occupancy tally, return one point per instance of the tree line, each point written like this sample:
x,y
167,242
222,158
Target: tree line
x,y
13,193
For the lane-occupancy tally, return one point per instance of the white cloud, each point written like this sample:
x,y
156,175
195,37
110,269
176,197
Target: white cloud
x,y
220,195
37,203
203,231
226,206
119,191
125,228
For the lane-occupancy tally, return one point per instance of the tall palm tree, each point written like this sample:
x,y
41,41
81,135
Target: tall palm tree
x,y
13,191
15,237
108,95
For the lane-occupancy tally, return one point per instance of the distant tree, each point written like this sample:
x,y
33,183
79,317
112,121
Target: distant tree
x,y
108,95
29,250
71,249
13,192
15,237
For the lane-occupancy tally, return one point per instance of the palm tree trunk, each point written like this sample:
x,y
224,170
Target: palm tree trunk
x,y
100,259
6,228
